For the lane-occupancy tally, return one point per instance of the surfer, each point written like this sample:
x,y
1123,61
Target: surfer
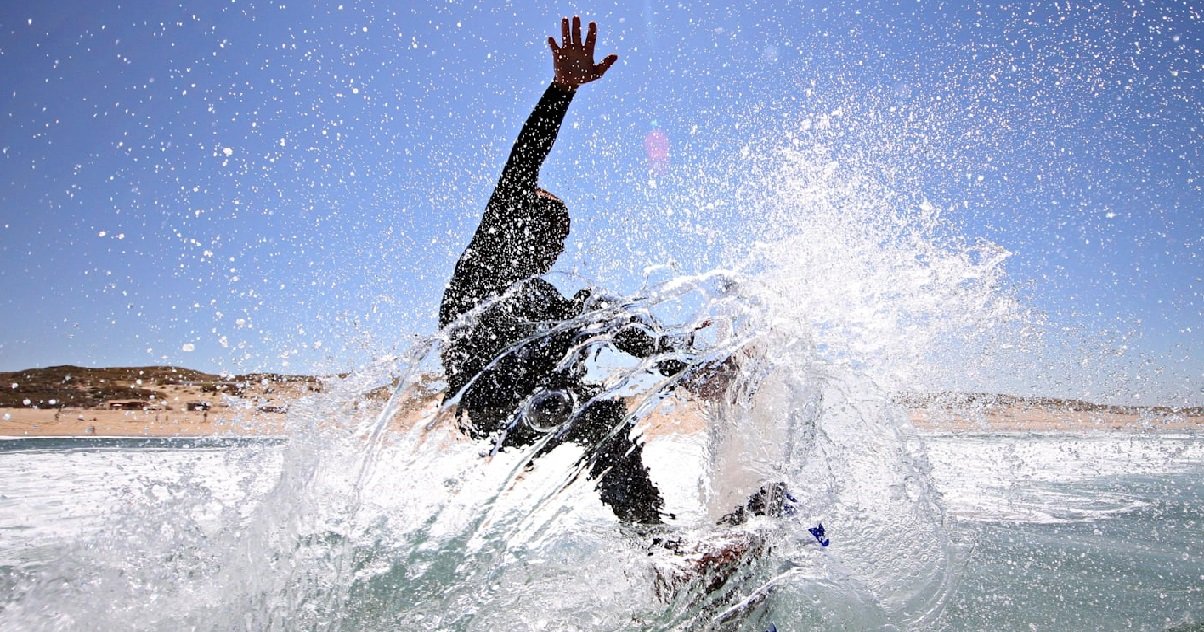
x,y
507,345
511,337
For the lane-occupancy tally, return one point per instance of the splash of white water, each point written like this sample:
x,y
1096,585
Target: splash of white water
x,y
847,296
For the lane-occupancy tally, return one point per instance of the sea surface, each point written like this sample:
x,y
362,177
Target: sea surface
x,y
1050,531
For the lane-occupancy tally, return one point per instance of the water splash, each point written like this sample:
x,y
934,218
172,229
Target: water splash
x,y
382,516
379,514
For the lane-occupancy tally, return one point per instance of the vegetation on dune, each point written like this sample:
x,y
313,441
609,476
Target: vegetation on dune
x,y
85,387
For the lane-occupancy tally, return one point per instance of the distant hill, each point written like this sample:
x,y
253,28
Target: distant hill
x,y
84,387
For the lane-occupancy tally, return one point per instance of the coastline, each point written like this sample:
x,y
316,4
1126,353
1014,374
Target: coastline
x,y
684,416
79,422
167,401
1029,418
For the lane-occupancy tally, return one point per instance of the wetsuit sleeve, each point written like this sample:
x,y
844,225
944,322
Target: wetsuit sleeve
x,y
497,255
521,173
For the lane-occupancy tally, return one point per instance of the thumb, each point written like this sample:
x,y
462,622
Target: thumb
x,y
607,63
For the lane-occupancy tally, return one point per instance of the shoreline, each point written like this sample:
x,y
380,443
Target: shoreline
x,y
87,423
684,417
168,401
1028,418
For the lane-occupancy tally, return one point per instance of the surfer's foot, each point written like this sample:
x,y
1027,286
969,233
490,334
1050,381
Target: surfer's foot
x,y
773,500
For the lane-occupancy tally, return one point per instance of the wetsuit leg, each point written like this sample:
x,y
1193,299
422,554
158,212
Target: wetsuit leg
x,y
617,463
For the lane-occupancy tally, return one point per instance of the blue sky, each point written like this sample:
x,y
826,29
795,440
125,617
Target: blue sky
x,y
281,186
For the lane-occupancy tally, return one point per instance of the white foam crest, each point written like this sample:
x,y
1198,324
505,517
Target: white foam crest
x,y
1034,477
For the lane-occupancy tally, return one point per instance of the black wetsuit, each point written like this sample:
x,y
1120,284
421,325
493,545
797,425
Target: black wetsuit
x,y
486,361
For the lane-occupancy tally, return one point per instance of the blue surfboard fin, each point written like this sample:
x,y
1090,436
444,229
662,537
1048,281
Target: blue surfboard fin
x,y
818,532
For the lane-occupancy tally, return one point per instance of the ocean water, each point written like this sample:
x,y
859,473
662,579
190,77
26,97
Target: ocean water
x,y
1095,532
1045,532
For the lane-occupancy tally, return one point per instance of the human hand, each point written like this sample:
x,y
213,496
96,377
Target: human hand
x,y
573,60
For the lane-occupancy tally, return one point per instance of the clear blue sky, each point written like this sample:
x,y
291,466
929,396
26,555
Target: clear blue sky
x,y
250,185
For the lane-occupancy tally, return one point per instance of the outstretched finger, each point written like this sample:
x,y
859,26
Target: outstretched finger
x,y
607,63
577,30
591,37
552,43
565,40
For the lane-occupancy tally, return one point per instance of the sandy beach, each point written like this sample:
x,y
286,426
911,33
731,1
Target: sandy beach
x,y
1034,419
79,422
165,401
683,416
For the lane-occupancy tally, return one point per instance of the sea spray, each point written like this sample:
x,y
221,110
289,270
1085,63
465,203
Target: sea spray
x,y
366,529
370,528
379,514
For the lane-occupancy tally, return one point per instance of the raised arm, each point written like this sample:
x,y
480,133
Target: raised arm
x,y
516,239
573,65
